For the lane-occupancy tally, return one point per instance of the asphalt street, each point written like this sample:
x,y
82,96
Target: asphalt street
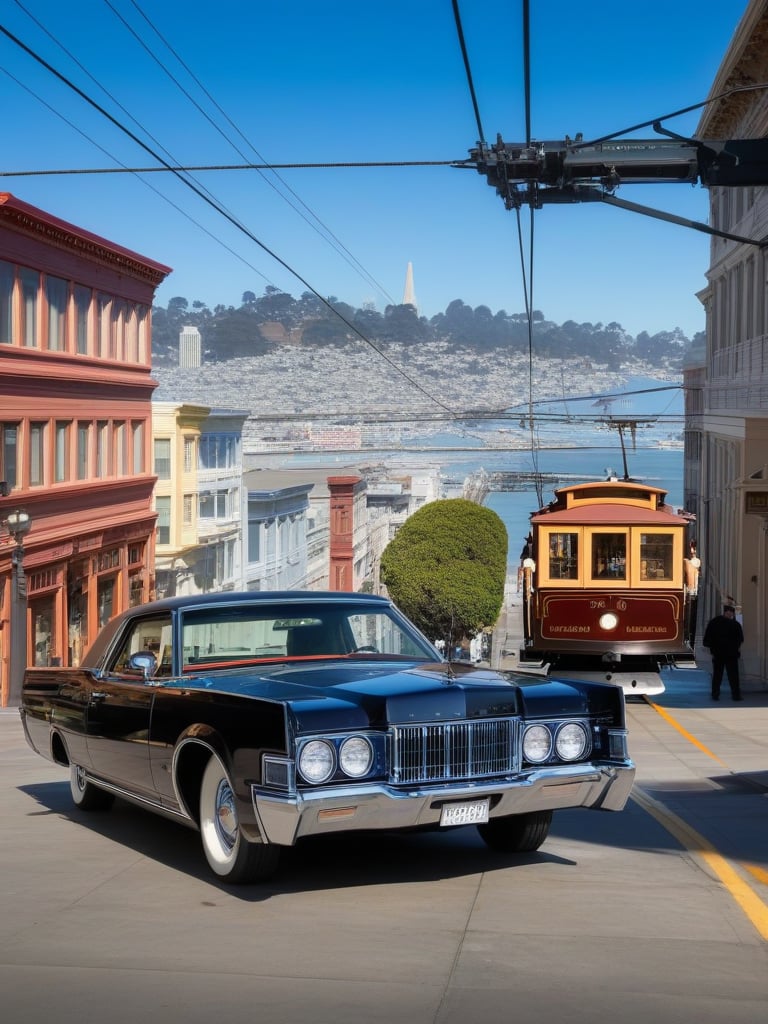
x,y
659,912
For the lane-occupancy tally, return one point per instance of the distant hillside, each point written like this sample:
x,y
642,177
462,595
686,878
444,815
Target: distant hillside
x,y
260,325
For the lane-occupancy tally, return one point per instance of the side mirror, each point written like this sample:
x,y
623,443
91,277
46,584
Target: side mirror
x,y
144,662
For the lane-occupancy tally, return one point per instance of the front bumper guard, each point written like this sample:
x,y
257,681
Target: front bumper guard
x,y
285,817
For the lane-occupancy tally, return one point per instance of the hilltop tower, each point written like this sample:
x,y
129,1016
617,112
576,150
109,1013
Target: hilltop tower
x,y
409,295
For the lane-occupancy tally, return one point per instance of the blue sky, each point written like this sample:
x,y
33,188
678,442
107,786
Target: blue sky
x,y
309,82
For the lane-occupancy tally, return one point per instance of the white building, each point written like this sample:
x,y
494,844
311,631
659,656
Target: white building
x,y
190,347
727,420
277,524
220,501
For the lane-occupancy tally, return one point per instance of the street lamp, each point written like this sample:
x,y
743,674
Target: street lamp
x,y
18,524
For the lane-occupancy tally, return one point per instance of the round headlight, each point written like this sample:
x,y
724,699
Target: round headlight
x,y
608,621
317,761
355,756
537,743
571,741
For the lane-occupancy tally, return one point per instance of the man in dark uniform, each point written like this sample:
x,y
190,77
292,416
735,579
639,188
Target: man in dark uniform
x,y
724,637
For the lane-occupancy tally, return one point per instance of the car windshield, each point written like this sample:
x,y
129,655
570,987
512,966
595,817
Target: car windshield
x,y
228,635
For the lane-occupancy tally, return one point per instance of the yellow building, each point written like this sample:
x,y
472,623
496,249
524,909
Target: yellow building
x,y
176,429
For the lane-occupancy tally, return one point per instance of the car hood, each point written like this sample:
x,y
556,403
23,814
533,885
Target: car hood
x,y
357,693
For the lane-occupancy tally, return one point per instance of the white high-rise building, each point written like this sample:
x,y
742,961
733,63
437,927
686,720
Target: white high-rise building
x,y
190,347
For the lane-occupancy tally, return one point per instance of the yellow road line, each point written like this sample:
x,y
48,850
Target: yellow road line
x,y
684,732
760,873
695,843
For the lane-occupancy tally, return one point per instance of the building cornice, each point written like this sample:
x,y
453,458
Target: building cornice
x,y
34,223
742,114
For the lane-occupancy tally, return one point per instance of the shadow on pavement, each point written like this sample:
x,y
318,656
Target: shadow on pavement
x,y
314,864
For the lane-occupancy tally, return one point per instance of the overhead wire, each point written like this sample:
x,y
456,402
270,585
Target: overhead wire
x,y
106,92
122,168
326,165
202,194
167,167
675,113
158,193
175,163
468,72
318,224
527,277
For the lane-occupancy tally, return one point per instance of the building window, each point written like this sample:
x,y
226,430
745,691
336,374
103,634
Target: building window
x,y
189,509
189,454
105,326
217,451
106,560
213,505
83,450
105,600
9,433
61,455
56,291
163,508
254,542
137,429
117,333
103,452
30,289
121,450
82,318
6,302
142,313
131,336
163,458
135,590
36,454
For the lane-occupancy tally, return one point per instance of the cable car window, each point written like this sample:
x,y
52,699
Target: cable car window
x,y
656,550
609,556
563,556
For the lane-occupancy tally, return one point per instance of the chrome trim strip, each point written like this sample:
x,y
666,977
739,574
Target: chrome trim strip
x,y
140,801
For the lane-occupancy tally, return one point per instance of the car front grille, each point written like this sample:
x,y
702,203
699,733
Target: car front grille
x,y
452,750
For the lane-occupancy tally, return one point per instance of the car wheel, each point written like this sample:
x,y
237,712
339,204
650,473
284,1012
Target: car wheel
x,y
227,851
516,833
85,795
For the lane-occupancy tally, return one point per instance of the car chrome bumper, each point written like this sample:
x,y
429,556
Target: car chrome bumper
x,y
283,818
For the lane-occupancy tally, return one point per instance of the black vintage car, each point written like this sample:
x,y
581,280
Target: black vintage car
x,y
261,718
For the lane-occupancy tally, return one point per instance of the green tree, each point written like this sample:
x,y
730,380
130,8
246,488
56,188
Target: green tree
x,y
446,567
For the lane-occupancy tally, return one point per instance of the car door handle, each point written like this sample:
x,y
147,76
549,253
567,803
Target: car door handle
x,y
97,696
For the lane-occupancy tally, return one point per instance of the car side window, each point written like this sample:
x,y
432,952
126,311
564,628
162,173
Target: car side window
x,y
153,635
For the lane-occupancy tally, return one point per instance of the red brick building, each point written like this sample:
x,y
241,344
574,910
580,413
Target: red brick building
x,y
75,433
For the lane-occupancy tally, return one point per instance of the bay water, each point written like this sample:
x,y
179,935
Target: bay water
x,y
588,448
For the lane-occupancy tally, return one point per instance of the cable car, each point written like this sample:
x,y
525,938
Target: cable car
x,y
610,586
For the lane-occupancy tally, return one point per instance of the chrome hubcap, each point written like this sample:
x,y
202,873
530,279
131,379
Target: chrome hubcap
x,y
225,815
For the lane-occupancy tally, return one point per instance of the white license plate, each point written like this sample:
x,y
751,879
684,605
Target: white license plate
x,y
469,812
